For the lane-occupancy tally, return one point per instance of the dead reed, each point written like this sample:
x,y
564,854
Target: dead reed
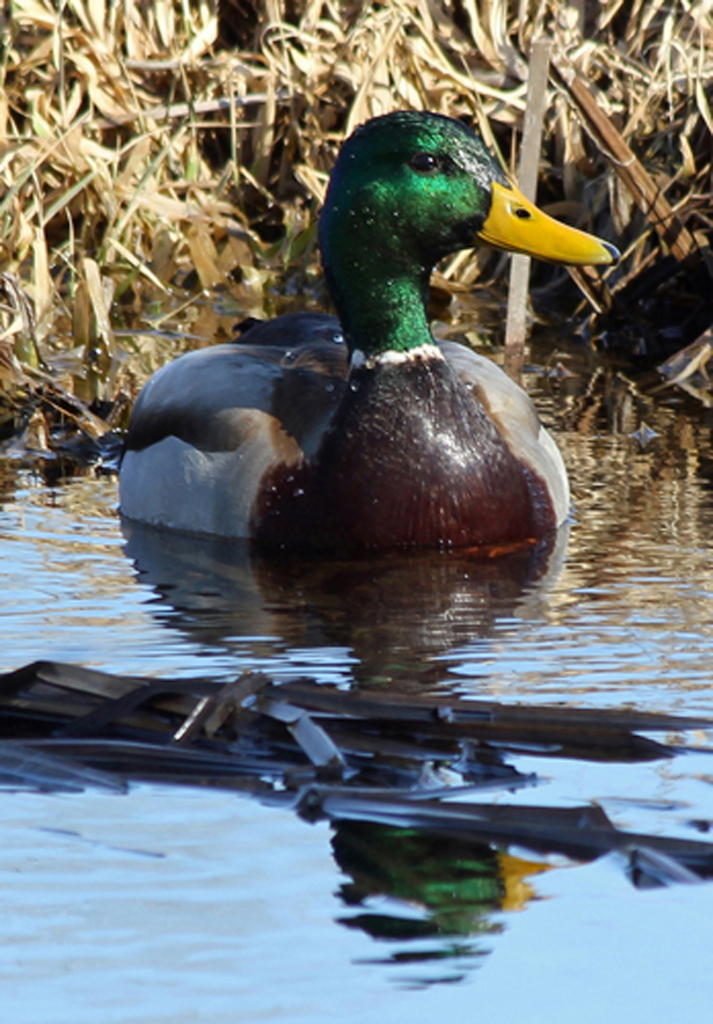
x,y
151,152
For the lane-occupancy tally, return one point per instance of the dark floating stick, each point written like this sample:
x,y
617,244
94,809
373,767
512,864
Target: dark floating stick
x,y
335,754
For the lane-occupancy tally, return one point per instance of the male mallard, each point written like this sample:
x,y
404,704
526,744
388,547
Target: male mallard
x,y
363,431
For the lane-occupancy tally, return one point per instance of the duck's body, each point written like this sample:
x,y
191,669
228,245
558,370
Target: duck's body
x,y
361,432
284,445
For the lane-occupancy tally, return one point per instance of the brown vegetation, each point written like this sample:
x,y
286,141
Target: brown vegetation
x,y
152,152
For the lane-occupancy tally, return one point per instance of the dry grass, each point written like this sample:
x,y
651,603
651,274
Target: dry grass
x,y
151,151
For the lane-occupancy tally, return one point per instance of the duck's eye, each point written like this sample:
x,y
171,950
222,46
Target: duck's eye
x,y
522,213
424,163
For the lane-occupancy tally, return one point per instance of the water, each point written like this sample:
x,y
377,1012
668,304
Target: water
x,y
171,904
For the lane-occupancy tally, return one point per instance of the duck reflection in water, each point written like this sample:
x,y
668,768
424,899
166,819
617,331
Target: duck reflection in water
x,y
443,893
394,612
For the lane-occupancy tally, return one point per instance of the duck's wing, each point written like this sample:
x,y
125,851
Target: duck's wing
x,y
515,416
209,427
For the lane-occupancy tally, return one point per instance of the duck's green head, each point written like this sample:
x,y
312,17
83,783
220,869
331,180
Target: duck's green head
x,y
407,189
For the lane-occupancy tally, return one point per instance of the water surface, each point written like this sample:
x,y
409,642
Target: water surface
x,y
172,904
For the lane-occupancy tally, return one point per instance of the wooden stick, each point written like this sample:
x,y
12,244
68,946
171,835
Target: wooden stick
x,y
516,325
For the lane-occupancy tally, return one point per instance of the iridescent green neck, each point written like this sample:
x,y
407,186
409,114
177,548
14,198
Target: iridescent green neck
x,y
380,295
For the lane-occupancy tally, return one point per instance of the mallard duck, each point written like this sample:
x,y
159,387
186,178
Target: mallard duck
x,y
362,431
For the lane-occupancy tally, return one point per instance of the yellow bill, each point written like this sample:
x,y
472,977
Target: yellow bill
x,y
515,224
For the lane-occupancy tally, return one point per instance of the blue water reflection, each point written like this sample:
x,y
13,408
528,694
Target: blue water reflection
x,y
174,905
